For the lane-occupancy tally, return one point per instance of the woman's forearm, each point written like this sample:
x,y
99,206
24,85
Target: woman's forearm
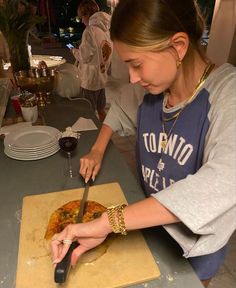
x,y
103,139
146,213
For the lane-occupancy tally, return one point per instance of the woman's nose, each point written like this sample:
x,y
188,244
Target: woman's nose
x,y
133,76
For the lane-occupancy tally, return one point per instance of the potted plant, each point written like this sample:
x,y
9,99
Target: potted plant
x,y
16,20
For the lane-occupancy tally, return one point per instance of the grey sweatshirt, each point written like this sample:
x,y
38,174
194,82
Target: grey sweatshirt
x,y
204,201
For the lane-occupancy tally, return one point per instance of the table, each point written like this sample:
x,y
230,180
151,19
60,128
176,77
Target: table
x,y
21,178
51,61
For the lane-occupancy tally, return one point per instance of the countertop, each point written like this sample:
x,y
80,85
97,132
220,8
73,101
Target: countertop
x,y
21,178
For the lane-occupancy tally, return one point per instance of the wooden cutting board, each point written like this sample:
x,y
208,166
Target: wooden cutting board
x,y
120,262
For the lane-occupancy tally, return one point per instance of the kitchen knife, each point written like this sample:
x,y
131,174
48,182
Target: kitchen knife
x,y
62,268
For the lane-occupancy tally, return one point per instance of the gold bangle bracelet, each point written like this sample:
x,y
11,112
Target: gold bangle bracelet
x,y
116,218
111,212
121,220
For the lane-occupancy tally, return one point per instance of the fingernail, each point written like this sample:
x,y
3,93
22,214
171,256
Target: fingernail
x,y
73,266
55,261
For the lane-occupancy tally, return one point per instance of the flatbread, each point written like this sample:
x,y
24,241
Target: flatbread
x,y
67,214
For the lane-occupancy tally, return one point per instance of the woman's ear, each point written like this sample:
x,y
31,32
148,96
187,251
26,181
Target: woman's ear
x,y
180,41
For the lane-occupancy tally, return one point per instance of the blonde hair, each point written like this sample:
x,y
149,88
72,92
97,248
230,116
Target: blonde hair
x,y
87,8
148,25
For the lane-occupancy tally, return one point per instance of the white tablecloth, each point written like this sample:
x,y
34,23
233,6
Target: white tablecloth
x,y
51,61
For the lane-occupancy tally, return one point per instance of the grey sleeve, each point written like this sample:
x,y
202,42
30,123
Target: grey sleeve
x,y
206,201
122,115
119,121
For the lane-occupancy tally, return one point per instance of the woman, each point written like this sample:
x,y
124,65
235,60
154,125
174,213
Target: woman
x,y
186,145
94,54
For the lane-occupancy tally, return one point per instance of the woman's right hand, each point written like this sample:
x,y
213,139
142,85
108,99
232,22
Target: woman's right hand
x,y
89,235
90,164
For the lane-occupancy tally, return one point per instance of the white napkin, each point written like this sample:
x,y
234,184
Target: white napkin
x,y
11,128
84,124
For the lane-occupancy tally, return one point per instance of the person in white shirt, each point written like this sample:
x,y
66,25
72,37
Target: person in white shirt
x,y
94,55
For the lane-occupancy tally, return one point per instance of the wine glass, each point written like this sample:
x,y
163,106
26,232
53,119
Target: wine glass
x,y
68,145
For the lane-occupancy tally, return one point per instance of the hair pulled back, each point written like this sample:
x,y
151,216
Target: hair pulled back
x,y
87,8
147,24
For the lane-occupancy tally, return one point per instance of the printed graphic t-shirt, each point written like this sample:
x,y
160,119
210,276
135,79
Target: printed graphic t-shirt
x,y
158,167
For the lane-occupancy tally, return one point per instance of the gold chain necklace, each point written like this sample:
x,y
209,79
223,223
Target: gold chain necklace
x,y
165,135
201,81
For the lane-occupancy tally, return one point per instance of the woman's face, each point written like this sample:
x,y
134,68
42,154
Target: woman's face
x,y
155,71
83,18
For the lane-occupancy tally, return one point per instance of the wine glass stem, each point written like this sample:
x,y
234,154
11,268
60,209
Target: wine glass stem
x,y
69,164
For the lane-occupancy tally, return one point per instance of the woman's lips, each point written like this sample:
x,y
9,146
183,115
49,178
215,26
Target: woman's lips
x,y
146,86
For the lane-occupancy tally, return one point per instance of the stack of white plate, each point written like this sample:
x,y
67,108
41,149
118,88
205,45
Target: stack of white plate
x,y
32,143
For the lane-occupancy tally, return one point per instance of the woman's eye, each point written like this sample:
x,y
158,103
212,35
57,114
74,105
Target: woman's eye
x,y
136,65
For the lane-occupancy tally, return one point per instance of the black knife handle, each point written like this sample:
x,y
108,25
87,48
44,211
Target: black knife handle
x,y
62,268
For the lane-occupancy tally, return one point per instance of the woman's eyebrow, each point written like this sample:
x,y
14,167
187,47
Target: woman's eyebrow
x,y
130,60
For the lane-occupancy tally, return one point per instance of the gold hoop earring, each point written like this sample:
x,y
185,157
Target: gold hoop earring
x,y
178,63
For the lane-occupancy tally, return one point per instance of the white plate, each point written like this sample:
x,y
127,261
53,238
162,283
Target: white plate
x,y
25,158
14,127
31,150
35,137
32,153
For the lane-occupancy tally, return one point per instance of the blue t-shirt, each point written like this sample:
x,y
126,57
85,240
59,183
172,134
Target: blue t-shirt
x,y
158,168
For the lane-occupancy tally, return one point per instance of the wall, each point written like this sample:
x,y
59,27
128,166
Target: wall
x,y
222,47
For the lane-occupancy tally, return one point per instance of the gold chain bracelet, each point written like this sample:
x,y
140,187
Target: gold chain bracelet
x,y
116,218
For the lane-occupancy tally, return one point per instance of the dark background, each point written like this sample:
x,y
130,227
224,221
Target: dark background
x,y
63,15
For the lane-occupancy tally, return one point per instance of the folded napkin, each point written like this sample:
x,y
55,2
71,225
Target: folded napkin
x,y
5,130
84,124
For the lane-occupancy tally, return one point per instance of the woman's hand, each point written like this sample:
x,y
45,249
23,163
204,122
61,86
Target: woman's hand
x,y
90,164
88,235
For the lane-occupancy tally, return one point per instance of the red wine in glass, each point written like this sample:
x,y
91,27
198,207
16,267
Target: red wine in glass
x,y
68,144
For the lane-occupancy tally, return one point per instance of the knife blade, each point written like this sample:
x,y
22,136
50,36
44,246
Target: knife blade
x,y
63,267
79,218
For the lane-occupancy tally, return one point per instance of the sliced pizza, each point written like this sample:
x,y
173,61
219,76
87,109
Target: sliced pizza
x,y
68,213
